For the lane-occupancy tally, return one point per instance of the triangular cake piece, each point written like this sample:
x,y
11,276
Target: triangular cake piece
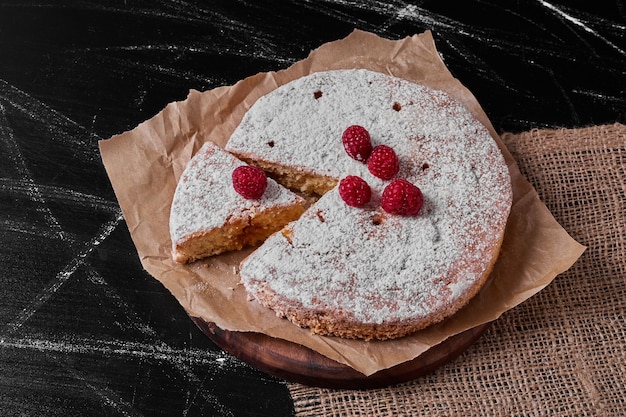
x,y
209,217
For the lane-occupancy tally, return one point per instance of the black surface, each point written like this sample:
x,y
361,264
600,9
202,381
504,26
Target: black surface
x,y
83,329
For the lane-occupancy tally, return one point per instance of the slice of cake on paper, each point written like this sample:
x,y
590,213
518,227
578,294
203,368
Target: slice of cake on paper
x,y
209,217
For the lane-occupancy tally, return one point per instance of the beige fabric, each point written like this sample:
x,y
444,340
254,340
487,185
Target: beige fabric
x,y
561,353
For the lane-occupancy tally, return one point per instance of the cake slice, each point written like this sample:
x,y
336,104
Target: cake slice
x,y
209,217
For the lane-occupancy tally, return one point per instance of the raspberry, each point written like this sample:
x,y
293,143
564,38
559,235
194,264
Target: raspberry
x,y
250,182
383,162
402,197
357,143
354,191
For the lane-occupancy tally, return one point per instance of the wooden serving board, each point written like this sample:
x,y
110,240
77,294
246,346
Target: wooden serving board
x,y
297,363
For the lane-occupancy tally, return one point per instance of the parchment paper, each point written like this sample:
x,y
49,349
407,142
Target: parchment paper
x,y
144,165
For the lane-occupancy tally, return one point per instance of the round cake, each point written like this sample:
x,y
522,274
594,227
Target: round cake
x,y
361,272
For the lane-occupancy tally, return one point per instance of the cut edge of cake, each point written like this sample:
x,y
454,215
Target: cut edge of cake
x,y
236,233
296,179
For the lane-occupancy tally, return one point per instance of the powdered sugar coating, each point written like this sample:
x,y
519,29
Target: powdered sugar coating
x,y
205,198
361,265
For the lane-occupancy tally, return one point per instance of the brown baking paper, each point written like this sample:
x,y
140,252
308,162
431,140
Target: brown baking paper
x,y
145,163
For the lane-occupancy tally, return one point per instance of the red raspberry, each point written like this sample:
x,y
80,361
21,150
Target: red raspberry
x,y
383,162
354,191
357,143
249,181
402,197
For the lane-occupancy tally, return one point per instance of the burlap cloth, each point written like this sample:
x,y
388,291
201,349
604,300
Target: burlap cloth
x,y
562,352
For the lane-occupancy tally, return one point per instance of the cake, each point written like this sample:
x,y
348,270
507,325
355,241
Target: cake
x,y
362,272
209,217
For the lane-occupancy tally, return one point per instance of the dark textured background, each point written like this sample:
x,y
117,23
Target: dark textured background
x,y
83,329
